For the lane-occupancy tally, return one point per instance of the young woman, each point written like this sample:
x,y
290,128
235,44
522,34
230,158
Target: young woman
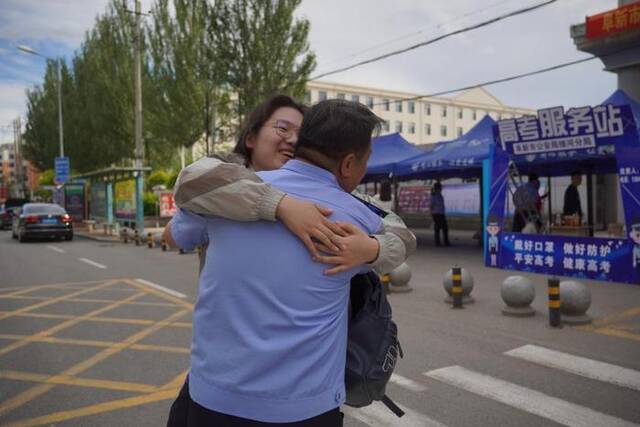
x,y
229,188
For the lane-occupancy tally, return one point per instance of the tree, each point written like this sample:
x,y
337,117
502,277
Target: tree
x,y
188,71
268,49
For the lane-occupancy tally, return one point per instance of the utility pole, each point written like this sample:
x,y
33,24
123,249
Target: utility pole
x,y
60,134
137,78
138,88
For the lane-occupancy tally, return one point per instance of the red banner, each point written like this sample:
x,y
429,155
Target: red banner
x,y
167,208
414,199
614,21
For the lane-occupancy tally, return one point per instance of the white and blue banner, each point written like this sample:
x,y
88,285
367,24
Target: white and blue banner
x,y
570,134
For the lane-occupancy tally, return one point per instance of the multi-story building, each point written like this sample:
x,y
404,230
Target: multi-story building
x,y
424,120
9,173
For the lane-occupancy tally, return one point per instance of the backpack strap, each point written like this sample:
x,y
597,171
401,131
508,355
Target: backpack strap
x,y
392,406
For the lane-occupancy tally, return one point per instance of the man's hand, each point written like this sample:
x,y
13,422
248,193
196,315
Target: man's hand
x,y
309,222
358,248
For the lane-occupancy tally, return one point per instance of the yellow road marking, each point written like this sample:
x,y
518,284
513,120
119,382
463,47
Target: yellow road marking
x,y
55,300
93,343
22,289
82,382
616,317
82,366
98,409
159,294
96,300
184,325
617,333
64,325
176,382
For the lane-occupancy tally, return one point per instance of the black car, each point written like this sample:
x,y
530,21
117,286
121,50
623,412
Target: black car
x,y
6,214
42,220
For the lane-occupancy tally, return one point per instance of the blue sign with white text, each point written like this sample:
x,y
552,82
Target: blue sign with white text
x,y
556,133
63,170
582,257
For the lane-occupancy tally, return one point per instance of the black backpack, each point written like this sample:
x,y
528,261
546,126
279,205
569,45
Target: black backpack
x,y
372,347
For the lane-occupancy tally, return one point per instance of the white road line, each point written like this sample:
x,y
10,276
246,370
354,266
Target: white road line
x,y
95,264
526,399
378,415
56,249
162,288
593,369
407,383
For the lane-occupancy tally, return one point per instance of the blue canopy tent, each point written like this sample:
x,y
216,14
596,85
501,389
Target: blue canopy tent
x,y
461,157
386,152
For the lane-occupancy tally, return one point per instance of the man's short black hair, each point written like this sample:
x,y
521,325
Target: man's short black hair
x,y
533,177
337,127
576,173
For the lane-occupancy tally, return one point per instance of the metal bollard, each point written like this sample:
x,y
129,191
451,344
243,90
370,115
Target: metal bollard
x,y
136,237
456,289
125,235
555,320
150,242
164,245
385,279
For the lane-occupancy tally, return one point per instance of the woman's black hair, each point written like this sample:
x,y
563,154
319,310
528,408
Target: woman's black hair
x,y
257,119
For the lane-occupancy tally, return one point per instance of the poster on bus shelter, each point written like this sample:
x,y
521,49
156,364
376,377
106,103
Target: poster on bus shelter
x,y
125,199
555,131
75,201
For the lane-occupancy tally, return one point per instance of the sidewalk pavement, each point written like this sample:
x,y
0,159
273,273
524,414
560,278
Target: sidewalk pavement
x,y
98,234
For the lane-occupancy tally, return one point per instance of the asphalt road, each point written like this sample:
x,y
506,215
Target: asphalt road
x,y
95,333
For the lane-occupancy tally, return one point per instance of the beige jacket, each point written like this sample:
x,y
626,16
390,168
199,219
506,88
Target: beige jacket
x,y
225,188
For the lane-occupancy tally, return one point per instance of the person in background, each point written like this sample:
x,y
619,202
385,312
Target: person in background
x,y
572,205
528,204
438,215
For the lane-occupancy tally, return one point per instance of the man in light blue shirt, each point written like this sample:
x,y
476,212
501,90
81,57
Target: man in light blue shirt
x,y
269,327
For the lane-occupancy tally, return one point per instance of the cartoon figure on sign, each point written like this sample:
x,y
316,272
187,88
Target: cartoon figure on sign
x,y
635,236
493,228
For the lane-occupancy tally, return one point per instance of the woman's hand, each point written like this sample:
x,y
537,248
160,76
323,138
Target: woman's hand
x,y
357,248
309,222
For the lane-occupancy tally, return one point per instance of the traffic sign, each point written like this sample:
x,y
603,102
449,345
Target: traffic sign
x,y
62,170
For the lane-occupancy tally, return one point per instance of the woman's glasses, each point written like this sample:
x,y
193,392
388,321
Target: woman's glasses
x,y
285,129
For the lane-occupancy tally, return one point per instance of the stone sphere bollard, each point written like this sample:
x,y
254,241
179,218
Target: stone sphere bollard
x,y
400,278
518,293
467,286
575,300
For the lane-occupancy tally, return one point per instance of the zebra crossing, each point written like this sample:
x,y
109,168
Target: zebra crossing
x,y
517,396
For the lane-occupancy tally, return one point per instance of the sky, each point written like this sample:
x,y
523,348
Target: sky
x,y
347,31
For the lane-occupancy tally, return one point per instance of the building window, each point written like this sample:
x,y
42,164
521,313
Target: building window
x,y
427,109
427,129
385,104
459,113
355,98
444,111
399,107
385,126
412,128
11,156
411,106
443,130
399,127
459,132
369,101
340,95
475,115
322,95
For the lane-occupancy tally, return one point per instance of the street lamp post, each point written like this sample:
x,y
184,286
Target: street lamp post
x,y
31,51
